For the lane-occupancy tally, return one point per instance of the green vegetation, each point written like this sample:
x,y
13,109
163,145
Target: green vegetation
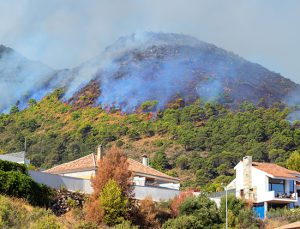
x,y
16,182
7,166
201,143
112,202
15,213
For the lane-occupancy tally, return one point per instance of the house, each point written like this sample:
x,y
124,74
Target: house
x,y
266,185
18,157
143,175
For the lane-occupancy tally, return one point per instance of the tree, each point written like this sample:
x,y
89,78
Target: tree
x,y
234,204
147,214
14,109
31,102
113,166
160,161
178,200
204,209
294,161
113,203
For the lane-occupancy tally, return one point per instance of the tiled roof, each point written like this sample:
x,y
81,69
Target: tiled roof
x,y
276,170
88,162
81,164
138,167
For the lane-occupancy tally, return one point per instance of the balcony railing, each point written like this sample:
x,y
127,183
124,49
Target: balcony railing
x,y
272,195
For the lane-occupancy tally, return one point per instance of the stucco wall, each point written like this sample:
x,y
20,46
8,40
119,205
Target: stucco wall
x,y
83,174
156,193
57,181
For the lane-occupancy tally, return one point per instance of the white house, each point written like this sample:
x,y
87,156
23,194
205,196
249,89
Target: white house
x,y
143,175
266,185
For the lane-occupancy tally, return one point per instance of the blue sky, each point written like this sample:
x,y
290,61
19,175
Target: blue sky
x,y
65,33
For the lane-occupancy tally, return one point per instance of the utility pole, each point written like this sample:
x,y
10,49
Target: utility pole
x,y
226,205
226,208
25,145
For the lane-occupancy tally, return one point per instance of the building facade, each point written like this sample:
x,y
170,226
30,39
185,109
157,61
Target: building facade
x,y
143,175
266,185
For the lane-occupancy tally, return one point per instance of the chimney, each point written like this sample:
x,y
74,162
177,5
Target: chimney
x,y
145,160
99,152
247,176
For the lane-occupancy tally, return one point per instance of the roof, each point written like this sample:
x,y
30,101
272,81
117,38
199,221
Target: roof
x,y
276,170
18,157
82,164
89,163
139,168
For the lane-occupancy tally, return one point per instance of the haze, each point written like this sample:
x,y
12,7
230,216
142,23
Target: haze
x,y
65,33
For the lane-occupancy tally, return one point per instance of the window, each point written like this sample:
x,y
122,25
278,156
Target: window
x,y
292,186
277,185
242,193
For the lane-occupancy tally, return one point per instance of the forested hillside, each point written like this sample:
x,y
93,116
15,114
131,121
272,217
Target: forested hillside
x,y
200,143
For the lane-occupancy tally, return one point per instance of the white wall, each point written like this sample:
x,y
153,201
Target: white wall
x,y
83,174
239,180
260,182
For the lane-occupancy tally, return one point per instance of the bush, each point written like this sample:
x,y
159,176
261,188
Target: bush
x,y
46,222
178,200
284,214
22,186
14,214
204,209
86,225
12,166
125,225
113,204
234,204
183,222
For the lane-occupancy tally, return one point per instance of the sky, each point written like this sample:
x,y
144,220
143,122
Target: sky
x,y
65,33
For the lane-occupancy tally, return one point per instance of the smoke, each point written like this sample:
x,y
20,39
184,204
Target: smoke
x,y
20,78
293,101
144,66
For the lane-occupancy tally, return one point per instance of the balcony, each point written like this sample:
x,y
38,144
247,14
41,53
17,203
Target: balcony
x,y
280,197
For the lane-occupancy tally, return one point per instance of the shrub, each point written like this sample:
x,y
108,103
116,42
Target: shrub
x,y
204,209
12,166
14,214
178,200
46,222
86,225
148,214
284,214
125,225
234,204
183,222
113,203
22,186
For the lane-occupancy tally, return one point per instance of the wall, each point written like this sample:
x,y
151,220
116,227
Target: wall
x,y
260,183
83,174
57,181
156,193
84,185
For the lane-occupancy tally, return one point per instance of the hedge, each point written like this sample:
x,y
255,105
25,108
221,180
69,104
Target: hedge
x,y
12,166
20,185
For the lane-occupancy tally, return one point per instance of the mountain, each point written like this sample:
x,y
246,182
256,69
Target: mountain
x,y
146,66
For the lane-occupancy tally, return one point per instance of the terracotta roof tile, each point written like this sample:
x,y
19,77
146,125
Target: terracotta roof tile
x,y
276,170
88,162
81,164
138,167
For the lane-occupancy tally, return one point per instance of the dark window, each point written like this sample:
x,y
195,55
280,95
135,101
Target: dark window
x,y
276,185
292,186
242,193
